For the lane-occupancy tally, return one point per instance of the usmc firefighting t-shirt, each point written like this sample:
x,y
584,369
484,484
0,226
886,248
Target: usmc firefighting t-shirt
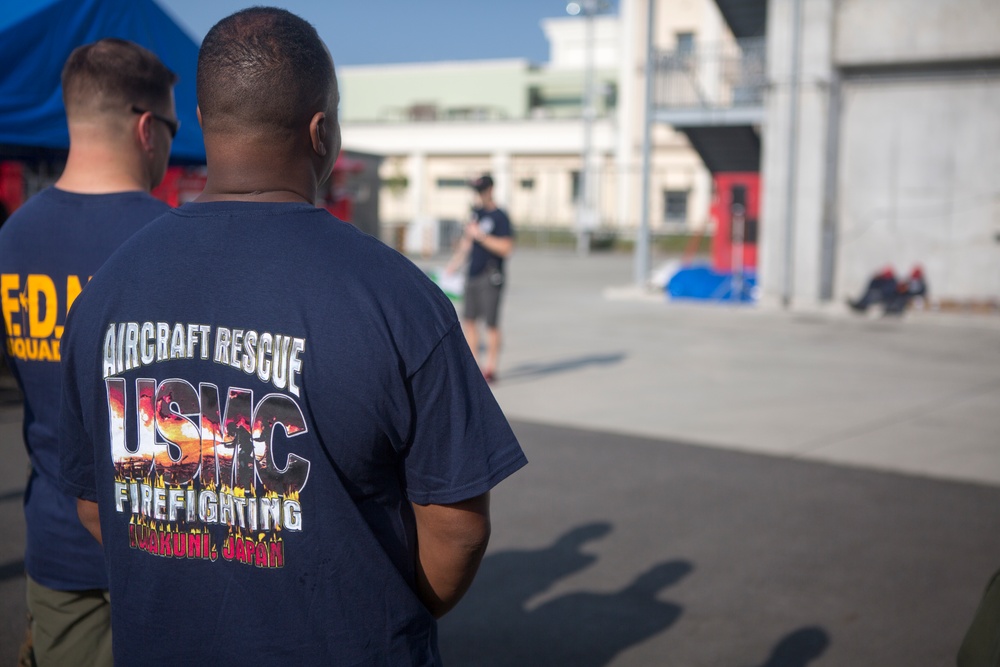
x,y
254,394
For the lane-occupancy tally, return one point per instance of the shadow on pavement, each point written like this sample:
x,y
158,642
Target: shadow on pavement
x,y
523,371
799,648
493,626
11,570
16,494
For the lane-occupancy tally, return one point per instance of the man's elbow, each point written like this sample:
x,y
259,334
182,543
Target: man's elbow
x,y
476,537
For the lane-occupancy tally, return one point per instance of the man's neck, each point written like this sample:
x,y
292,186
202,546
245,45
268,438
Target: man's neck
x,y
260,175
97,170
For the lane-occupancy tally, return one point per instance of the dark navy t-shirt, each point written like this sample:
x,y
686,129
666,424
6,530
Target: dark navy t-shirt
x,y
254,394
494,223
48,250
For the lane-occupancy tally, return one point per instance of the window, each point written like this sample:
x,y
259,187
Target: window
x,y
535,98
685,43
527,184
452,183
575,186
675,206
610,95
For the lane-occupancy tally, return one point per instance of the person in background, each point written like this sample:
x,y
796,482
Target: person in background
x,y
487,241
272,420
120,111
882,288
914,287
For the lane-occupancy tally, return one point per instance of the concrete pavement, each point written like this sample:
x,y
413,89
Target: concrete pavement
x,y
915,395
649,530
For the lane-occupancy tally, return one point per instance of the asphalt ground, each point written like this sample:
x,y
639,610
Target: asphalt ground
x,y
611,549
618,550
662,521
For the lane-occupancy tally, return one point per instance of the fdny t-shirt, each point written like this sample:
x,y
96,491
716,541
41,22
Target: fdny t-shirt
x,y
494,223
254,394
49,248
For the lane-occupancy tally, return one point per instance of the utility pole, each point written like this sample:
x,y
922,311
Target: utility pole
x,y
642,249
586,213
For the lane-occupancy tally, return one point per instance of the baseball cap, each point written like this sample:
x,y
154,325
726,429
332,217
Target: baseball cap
x,y
484,182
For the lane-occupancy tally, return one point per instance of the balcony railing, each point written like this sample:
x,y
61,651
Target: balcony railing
x,y
716,76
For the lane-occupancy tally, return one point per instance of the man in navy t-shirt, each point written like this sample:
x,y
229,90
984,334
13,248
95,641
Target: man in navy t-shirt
x,y
120,110
272,420
487,241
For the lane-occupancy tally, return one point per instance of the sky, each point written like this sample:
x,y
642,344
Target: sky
x,y
368,32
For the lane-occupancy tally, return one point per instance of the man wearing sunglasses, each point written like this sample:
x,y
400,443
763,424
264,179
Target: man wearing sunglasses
x,y
120,111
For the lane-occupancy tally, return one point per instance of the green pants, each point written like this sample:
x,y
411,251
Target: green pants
x,y
70,628
981,646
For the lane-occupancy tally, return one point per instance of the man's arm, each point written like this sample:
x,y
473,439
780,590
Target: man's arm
x,y
460,255
501,246
90,517
451,541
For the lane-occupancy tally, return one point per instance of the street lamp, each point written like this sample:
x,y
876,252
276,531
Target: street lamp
x,y
586,214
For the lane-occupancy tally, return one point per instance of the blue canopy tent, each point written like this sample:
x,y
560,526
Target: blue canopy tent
x,y
37,37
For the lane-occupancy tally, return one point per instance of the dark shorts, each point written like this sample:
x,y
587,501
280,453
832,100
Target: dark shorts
x,y
482,297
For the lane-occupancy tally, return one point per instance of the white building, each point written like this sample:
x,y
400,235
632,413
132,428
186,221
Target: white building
x,y
441,124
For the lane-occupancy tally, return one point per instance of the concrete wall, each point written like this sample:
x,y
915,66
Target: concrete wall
x,y
909,31
918,183
882,148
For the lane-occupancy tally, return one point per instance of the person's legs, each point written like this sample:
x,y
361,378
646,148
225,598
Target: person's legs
x,y
472,310
493,338
492,352
471,336
69,627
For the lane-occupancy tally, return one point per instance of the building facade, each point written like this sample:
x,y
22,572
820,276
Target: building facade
x,y
440,124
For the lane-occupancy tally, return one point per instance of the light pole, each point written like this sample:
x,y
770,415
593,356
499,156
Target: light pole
x,y
643,258
586,213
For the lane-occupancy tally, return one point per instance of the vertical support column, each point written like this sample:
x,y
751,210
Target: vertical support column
x,y
500,168
585,207
642,254
787,277
796,228
417,169
629,25
710,51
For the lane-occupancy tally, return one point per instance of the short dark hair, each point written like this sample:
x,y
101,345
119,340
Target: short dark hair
x,y
111,74
482,184
263,68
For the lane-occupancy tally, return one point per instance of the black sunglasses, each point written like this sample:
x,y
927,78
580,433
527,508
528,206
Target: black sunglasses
x,y
172,125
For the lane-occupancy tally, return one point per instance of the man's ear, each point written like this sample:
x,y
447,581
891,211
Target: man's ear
x,y
197,112
144,129
319,134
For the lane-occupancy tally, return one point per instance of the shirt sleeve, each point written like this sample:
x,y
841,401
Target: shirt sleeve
x,y
503,226
461,445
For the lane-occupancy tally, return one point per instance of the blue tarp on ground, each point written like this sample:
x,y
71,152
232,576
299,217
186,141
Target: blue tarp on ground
x,y
37,37
702,283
